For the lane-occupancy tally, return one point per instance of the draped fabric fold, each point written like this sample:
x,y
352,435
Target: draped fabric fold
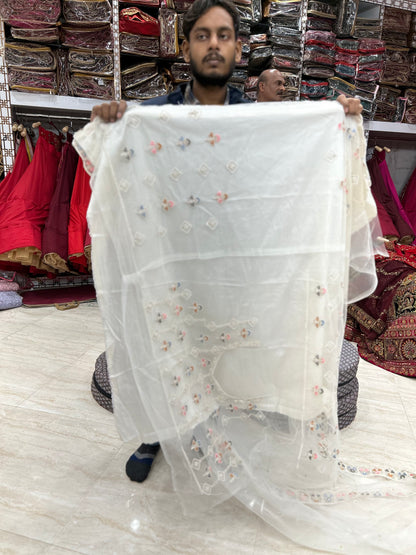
x,y
222,270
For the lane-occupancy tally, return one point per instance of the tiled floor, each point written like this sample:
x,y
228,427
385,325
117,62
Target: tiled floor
x,y
62,483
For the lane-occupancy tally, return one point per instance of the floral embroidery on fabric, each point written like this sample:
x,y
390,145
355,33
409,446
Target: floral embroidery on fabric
x,y
155,147
320,290
318,322
317,390
221,197
141,211
193,201
127,153
167,204
213,138
183,143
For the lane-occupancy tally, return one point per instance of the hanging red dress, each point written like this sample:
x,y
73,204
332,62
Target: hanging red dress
x,y
55,233
20,165
385,172
387,226
78,226
23,216
382,194
409,198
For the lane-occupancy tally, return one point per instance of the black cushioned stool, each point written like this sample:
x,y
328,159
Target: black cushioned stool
x,y
347,384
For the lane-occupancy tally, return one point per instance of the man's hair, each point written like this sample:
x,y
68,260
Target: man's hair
x,y
262,79
199,7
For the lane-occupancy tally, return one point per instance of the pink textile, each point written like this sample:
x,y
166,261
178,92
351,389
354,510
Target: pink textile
x,y
381,158
409,198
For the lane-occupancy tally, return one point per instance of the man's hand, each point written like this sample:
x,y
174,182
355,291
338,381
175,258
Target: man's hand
x,y
352,106
110,111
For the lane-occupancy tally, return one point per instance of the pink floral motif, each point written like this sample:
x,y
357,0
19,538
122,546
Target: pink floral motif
x,y
167,204
175,286
320,291
161,316
176,380
178,309
317,390
205,362
213,138
218,458
154,147
311,455
181,335
184,410
208,389
221,197
225,337
318,360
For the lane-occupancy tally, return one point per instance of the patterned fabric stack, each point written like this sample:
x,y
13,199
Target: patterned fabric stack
x,y
285,38
87,31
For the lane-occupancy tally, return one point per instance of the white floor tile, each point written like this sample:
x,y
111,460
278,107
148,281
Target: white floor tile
x,y
63,488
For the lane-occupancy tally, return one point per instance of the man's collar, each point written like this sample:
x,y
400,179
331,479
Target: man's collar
x,y
189,97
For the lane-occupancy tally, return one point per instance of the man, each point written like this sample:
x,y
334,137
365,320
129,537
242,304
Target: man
x,y
270,86
212,48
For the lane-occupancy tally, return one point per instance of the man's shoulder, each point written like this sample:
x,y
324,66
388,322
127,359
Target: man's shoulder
x,y
174,97
237,97
177,97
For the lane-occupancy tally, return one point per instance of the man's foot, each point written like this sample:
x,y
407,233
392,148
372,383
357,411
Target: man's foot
x,y
139,464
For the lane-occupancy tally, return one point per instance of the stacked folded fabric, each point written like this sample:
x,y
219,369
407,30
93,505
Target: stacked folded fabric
x,y
397,66
319,54
285,38
396,26
346,58
347,14
410,114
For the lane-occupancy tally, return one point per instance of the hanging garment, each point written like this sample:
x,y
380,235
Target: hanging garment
x,y
55,233
385,197
20,165
382,164
77,227
222,271
23,217
387,226
408,198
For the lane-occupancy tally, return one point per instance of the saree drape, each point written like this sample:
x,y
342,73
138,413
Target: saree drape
x,y
226,242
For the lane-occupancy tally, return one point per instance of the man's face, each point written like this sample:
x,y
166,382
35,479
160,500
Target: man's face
x,y
212,49
273,87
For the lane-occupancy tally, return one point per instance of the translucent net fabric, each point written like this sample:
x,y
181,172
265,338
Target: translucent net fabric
x,y
226,243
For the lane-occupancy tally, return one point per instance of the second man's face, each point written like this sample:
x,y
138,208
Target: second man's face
x,y
212,49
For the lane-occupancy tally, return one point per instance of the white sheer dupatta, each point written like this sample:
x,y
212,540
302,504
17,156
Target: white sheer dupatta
x,y
226,242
